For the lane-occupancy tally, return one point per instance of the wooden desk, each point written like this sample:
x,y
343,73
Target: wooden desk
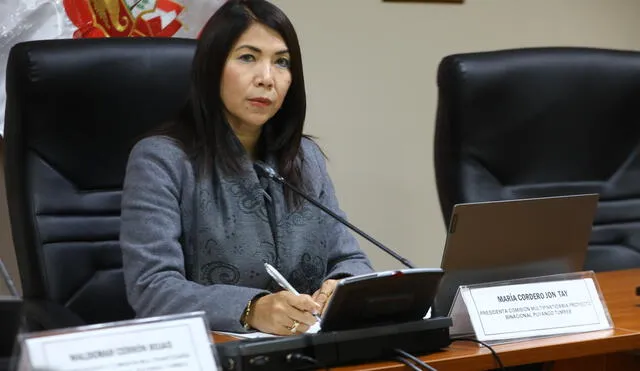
x,y
596,351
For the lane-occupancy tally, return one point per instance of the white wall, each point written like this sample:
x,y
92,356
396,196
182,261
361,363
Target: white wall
x,y
370,69
370,72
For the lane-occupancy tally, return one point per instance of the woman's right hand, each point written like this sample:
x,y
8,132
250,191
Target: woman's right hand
x,y
277,313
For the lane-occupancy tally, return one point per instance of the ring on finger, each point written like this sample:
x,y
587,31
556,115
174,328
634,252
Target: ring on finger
x,y
294,327
327,294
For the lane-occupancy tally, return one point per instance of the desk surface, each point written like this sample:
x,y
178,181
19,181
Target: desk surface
x,y
619,292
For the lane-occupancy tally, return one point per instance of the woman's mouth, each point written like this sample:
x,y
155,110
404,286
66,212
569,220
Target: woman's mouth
x,y
260,102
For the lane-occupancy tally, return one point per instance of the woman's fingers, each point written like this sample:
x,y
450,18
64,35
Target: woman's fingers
x,y
303,317
284,313
325,292
293,327
304,303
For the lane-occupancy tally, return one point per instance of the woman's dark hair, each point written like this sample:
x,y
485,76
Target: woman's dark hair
x,y
201,126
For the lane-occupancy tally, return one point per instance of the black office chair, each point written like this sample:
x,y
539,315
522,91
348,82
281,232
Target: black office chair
x,y
74,109
545,122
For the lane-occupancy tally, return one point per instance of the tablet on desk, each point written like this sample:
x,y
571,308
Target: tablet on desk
x,y
381,298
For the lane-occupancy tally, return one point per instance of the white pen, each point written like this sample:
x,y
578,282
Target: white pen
x,y
283,282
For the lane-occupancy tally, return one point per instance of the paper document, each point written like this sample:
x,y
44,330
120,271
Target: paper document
x,y
252,335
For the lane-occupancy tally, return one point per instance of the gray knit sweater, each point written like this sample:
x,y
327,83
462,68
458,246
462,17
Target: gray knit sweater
x,y
198,243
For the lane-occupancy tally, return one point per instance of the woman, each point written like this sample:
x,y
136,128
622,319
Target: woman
x,y
198,222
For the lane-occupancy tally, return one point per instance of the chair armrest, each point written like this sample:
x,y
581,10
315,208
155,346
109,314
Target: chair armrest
x,y
47,315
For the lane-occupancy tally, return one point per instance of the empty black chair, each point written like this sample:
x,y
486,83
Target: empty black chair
x,y
74,110
545,122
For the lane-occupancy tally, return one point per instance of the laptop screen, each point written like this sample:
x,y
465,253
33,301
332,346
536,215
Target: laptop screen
x,y
500,240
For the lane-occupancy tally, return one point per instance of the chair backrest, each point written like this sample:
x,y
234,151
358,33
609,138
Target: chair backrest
x,y
74,110
545,122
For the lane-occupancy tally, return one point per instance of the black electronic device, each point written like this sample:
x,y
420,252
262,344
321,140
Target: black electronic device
x,y
381,298
335,348
512,239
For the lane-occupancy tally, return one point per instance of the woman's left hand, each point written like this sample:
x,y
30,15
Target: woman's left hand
x,y
324,293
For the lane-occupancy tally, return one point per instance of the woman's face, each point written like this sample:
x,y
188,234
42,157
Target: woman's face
x,y
255,79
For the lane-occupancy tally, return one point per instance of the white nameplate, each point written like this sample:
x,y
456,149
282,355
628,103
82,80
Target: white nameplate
x,y
544,306
179,342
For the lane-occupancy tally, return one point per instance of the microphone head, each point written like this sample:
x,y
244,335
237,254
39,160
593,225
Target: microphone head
x,y
266,170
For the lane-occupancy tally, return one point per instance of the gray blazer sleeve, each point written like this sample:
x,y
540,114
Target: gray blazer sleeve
x,y
345,256
150,233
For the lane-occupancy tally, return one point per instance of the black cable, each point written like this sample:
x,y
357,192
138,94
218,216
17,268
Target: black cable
x,y
493,352
425,365
407,363
301,357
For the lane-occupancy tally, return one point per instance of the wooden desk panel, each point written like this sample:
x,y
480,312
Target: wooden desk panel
x,y
472,357
619,289
594,351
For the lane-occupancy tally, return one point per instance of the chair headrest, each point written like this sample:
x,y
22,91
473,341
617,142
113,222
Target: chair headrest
x,y
81,104
511,101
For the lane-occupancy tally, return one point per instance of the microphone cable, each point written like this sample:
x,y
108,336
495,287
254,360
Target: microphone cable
x,y
406,357
407,363
493,352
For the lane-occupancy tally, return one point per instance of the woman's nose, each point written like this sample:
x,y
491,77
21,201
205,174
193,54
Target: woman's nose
x,y
265,75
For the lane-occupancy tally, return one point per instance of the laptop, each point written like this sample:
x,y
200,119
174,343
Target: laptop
x,y
512,239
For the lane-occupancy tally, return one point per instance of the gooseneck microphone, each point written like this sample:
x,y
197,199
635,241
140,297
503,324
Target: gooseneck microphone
x,y
269,172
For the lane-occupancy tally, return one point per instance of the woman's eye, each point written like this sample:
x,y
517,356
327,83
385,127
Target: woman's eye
x,y
247,58
283,62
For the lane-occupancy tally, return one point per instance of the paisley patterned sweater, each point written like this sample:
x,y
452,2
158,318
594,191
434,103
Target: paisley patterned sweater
x,y
192,243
